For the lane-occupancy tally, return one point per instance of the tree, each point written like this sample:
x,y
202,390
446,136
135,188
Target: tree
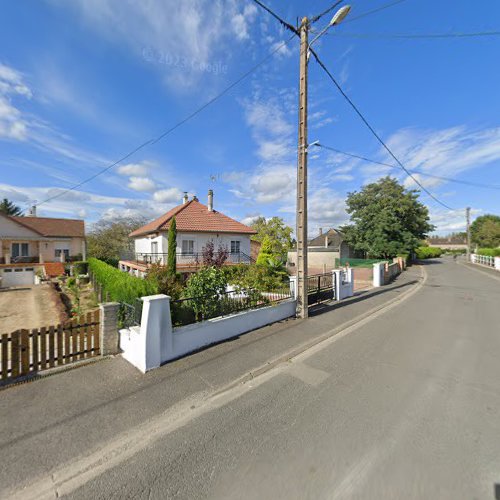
x,y
278,233
387,219
212,258
266,252
172,248
485,231
205,289
8,208
108,240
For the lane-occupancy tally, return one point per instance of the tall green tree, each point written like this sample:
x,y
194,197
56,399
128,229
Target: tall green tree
x,y
172,248
485,231
108,240
278,234
8,208
387,219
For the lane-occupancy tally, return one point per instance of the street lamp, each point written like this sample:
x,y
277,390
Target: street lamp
x,y
301,229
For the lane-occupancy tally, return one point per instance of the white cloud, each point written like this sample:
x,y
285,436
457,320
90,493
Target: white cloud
x,y
191,32
141,184
134,169
449,221
171,195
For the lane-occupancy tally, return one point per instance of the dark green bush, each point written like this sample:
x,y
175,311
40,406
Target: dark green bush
x,y
428,252
121,286
489,252
80,267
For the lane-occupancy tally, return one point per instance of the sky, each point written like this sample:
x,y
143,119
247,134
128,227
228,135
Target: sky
x,y
84,83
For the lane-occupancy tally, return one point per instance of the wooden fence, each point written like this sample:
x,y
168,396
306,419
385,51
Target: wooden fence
x,y
25,352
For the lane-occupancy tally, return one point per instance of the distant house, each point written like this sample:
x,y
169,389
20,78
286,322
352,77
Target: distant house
x,y
453,242
322,252
197,224
31,244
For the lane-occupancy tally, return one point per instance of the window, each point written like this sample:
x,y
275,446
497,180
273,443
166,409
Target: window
x,y
58,253
187,247
235,247
154,247
20,249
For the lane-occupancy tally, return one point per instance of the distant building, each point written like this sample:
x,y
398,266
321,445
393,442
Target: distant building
x,y
322,251
452,242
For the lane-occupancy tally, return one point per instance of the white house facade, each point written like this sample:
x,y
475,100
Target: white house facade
x,y
197,225
31,245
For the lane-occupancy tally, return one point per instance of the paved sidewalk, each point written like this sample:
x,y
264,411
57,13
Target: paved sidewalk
x,y
49,422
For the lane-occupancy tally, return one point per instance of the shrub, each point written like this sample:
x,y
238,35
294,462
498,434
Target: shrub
x,y
161,277
212,258
260,277
428,252
80,267
489,252
121,286
205,289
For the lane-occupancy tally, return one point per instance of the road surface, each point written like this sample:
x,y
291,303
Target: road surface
x,y
407,405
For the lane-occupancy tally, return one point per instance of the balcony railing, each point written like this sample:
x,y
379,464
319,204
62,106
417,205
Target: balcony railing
x,y
25,260
190,259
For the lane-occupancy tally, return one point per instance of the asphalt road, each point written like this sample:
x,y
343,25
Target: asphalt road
x,y
407,405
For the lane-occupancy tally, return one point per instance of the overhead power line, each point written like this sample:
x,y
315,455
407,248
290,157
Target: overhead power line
x,y
173,127
373,11
413,171
325,12
277,17
417,36
372,130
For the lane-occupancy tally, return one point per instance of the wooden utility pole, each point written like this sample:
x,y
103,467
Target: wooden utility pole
x,y
301,230
467,226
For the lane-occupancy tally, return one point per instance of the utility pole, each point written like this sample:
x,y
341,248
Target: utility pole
x,y
301,230
467,226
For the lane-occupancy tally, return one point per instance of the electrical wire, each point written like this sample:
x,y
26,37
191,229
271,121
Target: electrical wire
x,y
324,13
174,127
372,130
278,18
423,36
374,11
413,171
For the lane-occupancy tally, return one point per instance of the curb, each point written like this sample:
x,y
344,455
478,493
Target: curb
x,y
332,335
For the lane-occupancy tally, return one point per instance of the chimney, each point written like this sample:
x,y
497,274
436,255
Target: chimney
x,y
320,231
210,200
195,198
32,211
185,198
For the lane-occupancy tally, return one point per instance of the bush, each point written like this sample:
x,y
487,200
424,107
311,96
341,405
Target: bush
x,y
456,251
121,286
428,252
260,277
489,252
80,267
161,277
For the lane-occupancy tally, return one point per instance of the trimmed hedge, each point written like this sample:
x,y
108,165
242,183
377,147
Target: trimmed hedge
x,y
121,286
428,252
489,252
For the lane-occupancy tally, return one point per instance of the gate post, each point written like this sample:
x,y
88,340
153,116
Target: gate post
x,y
108,328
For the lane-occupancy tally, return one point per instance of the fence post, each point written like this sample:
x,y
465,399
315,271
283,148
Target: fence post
x,y
497,263
293,286
156,335
109,328
378,267
336,284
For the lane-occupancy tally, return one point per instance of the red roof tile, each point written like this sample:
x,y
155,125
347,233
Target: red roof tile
x,y
54,269
193,216
65,228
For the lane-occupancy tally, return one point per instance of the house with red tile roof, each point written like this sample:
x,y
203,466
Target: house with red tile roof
x,y
197,224
31,244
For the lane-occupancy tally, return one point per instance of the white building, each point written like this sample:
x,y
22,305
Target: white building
x,y
34,244
197,224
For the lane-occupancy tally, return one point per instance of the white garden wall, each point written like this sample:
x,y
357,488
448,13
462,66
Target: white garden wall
x,y
155,341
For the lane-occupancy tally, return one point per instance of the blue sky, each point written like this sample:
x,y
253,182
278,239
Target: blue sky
x,y
84,82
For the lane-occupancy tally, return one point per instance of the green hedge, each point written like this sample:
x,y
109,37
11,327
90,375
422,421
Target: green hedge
x,y
428,252
356,262
121,286
80,267
489,252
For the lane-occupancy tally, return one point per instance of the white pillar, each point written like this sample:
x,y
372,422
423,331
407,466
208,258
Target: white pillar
x,y
156,329
497,263
378,273
293,286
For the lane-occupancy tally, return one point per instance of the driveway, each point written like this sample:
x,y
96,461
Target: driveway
x,y
29,307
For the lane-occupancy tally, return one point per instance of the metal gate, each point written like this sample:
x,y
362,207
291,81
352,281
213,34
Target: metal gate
x,y
320,288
